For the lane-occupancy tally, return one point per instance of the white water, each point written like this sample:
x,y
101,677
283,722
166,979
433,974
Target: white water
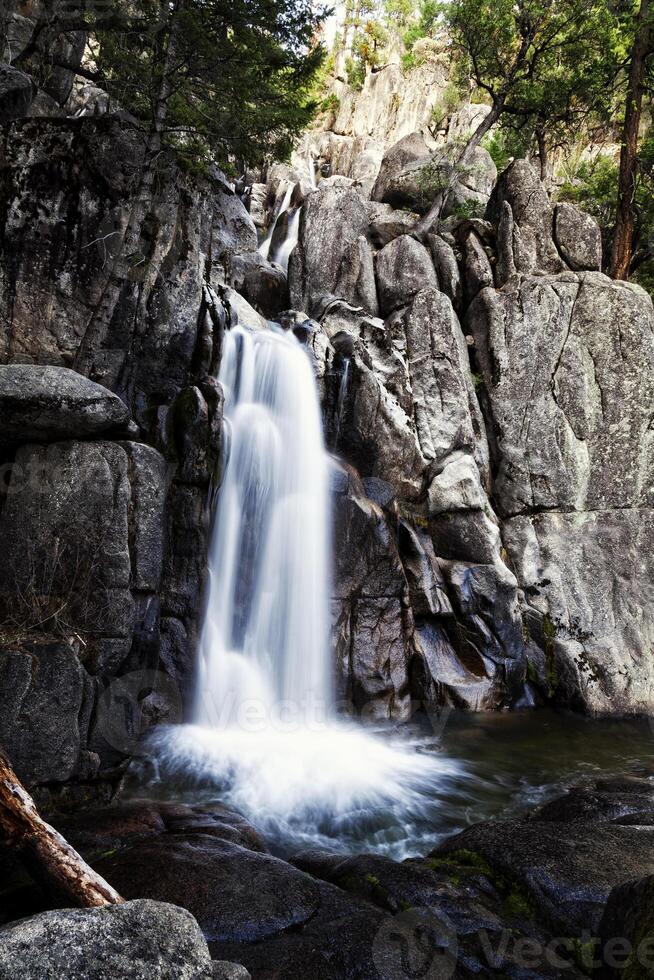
x,y
264,248
266,623
265,734
290,241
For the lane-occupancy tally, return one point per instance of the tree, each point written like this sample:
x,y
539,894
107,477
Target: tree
x,y
623,235
50,859
539,62
212,78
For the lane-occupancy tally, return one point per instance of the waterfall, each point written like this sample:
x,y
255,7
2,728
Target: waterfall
x,y
266,738
265,631
264,248
284,253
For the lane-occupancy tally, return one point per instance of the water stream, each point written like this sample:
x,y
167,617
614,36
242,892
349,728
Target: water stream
x,y
266,734
265,737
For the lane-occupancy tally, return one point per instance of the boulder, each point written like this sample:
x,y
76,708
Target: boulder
x,y
578,238
237,895
139,940
258,205
261,283
566,872
470,184
531,229
16,94
403,268
447,269
625,950
233,230
477,267
223,970
332,258
398,182
387,223
44,404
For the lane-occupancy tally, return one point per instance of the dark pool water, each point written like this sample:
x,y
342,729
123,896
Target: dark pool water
x,y
484,767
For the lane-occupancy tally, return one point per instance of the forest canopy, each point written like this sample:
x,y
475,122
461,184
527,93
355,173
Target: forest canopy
x,y
215,78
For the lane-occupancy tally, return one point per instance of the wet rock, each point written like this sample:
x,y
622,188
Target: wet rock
x,y
43,404
235,894
233,230
262,283
625,802
45,704
373,624
135,941
223,970
625,947
578,238
94,832
257,203
403,268
567,871
82,525
468,917
16,94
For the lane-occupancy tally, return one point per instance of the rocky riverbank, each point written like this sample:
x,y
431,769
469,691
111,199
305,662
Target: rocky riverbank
x,y
564,890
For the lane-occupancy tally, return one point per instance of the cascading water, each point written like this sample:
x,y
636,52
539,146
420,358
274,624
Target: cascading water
x,y
292,234
266,736
264,248
265,628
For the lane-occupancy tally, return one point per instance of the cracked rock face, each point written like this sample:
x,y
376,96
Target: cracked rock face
x,y
568,367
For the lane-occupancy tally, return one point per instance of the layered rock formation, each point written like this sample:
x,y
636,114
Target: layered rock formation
x,y
493,388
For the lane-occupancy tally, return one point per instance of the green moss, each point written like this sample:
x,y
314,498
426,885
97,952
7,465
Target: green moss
x,y
549,629
551,667
517,902
465,859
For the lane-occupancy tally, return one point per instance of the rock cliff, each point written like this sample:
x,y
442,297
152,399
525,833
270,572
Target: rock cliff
x,y
486,391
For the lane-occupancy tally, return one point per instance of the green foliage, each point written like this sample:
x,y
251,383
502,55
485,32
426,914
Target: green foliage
x,y
496,144
228,77
547,66
449,102
423,24
593,186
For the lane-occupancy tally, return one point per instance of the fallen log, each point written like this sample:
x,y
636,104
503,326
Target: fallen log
x,y
53,864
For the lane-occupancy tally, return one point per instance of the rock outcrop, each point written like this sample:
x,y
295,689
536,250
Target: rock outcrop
x,y
44,404
526,427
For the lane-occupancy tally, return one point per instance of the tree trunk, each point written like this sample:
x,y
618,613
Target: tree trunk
x,y
127,258
542,154
426,224
50,859
625,217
